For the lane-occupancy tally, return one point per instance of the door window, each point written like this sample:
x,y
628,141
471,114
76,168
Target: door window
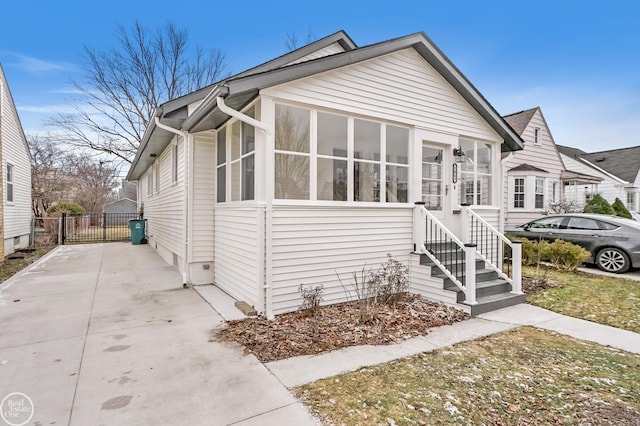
x,y
432,178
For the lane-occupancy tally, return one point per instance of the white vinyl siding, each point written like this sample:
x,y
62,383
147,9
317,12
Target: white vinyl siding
x,y
329,50
400,87
17,213
236,252
204,192
164,209
312,244
609,188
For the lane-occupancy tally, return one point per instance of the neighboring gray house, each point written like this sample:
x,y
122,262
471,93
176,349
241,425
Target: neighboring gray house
x,y
617,172
126,209
322,161
16,175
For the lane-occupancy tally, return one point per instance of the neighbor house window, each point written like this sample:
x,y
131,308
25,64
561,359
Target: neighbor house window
x,y
518,193
221,167
475,173
536,135
292,157
174,163
554,193
539,194
9,182
631,201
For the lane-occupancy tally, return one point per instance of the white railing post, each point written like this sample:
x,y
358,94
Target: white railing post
x,y
516,264
464,223
419,227
470,274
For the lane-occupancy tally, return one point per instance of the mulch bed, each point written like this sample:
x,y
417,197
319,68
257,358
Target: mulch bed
x,y
535,285
337,326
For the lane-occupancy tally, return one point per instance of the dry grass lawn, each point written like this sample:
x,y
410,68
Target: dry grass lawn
x,y
522,377
605,300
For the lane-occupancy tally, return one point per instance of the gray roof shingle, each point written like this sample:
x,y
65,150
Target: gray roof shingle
x,y
519,120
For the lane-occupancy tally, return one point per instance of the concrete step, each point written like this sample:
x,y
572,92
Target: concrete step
x,y
496,301
481,275
483,288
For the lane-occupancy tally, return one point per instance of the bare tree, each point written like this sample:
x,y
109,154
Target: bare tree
x,y
124,85
292,40
96,182
50,173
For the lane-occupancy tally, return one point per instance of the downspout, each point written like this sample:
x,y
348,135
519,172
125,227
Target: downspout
x,y
268,289
186,276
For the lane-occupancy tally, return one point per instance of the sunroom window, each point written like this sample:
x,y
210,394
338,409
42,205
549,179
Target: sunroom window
x,y
325,156
475,173
292,157
332,157
236,157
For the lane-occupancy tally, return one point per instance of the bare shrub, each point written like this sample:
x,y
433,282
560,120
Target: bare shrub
x,y
311,298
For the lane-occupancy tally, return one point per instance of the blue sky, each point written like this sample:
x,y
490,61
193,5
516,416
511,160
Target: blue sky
x,y
578,60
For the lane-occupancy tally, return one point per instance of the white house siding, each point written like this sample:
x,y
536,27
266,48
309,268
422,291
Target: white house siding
x,y
311,244
203,198
544,156
236,251
329,50
17,214
609,188
400,86
164,209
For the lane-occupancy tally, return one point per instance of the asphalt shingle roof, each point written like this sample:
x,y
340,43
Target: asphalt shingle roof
x,y
623,163
519,120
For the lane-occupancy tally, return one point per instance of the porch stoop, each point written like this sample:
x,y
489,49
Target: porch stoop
x,y
492,292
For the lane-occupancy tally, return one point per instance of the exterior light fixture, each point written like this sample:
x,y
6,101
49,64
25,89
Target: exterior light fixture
x,y
459,155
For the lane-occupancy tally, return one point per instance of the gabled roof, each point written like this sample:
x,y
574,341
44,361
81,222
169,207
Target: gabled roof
x,y
241,89
524,167
570,152
623,163
3,79
520,120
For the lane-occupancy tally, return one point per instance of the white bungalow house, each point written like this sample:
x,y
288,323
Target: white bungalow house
x,y
16,175
617,171
321,162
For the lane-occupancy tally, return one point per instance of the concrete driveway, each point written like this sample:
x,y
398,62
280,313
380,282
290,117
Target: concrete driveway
x,y
105,335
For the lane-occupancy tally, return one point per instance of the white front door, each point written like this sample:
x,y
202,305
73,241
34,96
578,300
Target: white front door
x,y
436,180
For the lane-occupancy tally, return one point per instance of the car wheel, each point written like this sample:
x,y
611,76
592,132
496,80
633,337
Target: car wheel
x,y
614,260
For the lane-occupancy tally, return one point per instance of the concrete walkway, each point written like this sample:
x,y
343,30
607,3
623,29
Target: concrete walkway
x,y
106,335
306,369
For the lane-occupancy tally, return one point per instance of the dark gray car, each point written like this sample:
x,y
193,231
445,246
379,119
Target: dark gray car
x,y
614,242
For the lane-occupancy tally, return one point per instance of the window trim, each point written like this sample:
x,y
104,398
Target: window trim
x,y
536,135
10,187
523,193
542,192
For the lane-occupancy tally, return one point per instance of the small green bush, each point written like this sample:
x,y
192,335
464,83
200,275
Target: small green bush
x,y
71,208
565,256
533,251
620,209
599,205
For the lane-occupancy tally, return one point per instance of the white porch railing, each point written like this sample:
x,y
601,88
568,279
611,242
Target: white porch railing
x,y
490,246
455,259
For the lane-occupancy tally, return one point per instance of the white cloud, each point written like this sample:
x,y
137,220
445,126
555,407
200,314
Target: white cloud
x,y
47,109
37,66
